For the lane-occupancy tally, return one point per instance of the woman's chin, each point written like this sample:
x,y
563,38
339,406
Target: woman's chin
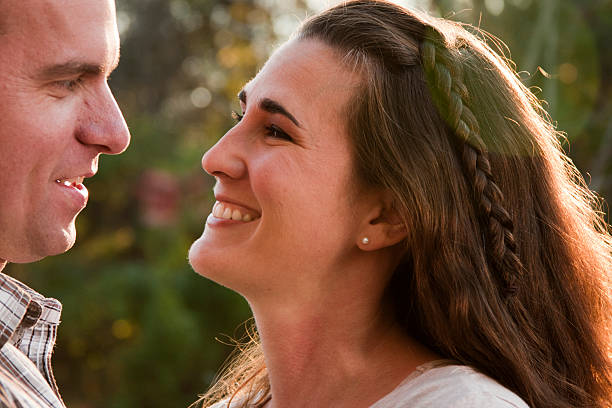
x,y
210,261
197,257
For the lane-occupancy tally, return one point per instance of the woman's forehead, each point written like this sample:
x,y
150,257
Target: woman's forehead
x,y
305,71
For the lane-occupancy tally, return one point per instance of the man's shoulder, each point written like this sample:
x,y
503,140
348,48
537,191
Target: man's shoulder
x,y
15,395
21,384
27,335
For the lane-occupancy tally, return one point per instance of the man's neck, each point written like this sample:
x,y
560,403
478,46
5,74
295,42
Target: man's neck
x,y
2,264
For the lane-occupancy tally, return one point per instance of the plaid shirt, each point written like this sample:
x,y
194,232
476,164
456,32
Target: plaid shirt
x,y
28,328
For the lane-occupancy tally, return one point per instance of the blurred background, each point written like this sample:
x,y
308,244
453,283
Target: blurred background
x,y
140,328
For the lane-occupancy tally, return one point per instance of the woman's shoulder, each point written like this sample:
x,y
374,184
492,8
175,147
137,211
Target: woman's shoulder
x,y
238,401
441,384
224,404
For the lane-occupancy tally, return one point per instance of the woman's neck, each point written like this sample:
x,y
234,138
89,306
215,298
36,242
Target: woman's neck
x,y
335,347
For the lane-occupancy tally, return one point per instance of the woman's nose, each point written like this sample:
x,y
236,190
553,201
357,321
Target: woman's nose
x,y
225,158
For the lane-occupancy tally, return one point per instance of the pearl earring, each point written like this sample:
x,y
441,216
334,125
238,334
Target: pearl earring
x,y
365,240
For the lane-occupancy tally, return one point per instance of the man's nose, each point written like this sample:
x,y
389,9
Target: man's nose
x,y
102,124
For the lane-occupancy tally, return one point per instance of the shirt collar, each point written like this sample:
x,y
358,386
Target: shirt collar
x,y
21,307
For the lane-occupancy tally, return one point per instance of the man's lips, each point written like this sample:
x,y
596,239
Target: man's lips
x,y
74,188
74,181
71,182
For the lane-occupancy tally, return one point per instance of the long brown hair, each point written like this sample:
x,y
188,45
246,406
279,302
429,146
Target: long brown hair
x,y
508,258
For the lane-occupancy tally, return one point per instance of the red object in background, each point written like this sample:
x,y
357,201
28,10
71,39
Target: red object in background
x,y
158,196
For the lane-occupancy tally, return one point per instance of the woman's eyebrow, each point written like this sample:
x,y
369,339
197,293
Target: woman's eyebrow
x,y
271,106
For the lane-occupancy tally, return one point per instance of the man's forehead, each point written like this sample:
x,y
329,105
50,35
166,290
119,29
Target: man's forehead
x,y
57,15
48,32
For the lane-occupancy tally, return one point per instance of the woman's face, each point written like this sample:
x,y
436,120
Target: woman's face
x,y
286,199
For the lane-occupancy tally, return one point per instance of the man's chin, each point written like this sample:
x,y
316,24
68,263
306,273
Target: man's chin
x,y
52,243
62,243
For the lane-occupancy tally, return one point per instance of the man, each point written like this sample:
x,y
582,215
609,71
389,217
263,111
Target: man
x,y
57,115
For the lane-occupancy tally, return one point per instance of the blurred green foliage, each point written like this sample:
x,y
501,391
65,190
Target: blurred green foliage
x,y
139,326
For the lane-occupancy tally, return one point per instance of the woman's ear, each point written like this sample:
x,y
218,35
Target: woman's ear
x,y
383,226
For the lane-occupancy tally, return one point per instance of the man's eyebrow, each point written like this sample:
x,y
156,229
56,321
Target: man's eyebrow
x,y
72,68
271,106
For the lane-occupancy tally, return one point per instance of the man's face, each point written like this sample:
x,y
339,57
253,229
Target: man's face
x,y
57,115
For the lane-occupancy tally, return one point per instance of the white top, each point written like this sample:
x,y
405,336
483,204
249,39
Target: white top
x,y
439,385
434,385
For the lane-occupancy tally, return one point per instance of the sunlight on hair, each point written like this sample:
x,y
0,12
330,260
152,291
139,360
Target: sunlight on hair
x,y
319,5
286,19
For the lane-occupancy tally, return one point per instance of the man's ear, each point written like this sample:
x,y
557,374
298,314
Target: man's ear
x,y
383,226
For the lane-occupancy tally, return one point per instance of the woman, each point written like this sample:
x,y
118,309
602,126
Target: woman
x,y
395,207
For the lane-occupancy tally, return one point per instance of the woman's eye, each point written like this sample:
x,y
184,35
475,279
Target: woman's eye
x,y
277,133
271,130
236,116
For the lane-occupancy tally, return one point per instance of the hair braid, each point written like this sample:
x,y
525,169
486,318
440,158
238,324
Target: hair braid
x,y
445,78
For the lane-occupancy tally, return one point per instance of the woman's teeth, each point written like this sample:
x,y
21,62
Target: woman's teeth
x,y
226,212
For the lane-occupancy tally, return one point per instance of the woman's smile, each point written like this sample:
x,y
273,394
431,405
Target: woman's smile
x,y
224,213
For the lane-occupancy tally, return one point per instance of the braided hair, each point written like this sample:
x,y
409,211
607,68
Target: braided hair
x,y
452,96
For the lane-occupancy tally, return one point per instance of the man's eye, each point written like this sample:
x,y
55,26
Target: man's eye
x,y
69,84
